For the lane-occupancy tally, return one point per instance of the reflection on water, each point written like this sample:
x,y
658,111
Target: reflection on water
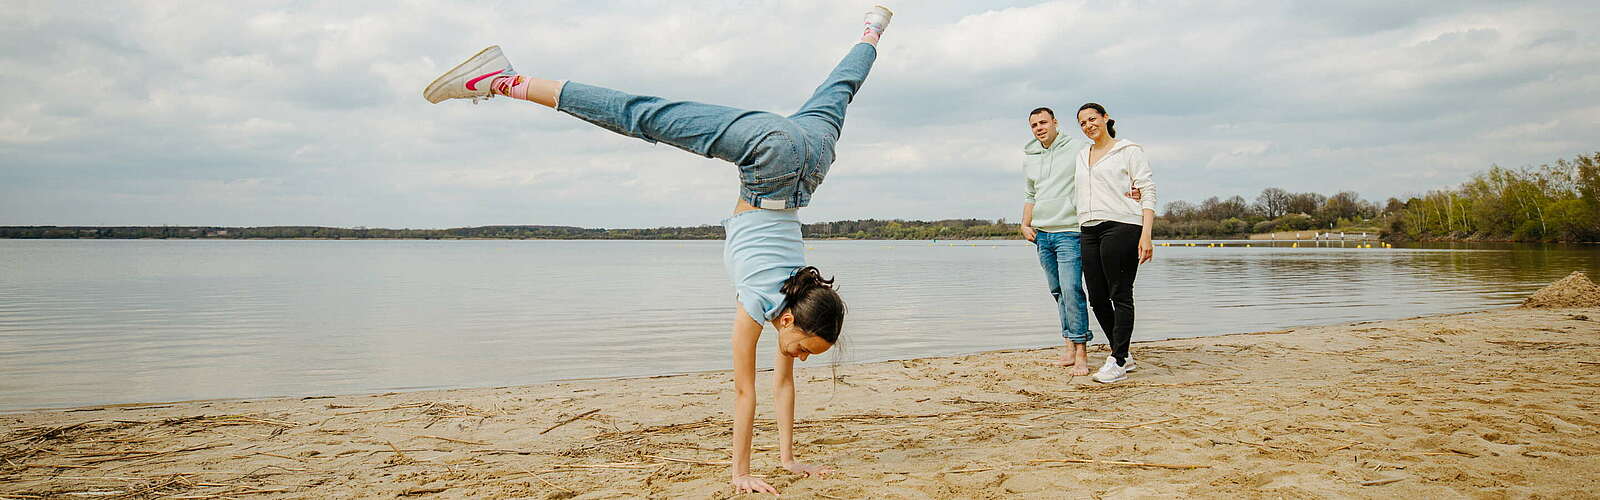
x,y
90,322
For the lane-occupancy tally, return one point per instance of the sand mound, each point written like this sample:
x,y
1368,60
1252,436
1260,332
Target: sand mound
x,y
1575,290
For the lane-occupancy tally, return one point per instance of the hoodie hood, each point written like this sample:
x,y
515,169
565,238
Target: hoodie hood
x,y
1121,145
1034,147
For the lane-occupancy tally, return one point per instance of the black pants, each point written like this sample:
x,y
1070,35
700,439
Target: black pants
x,y
1110,262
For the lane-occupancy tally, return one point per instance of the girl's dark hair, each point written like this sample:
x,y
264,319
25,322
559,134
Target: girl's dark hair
x,y
816,307
1111,125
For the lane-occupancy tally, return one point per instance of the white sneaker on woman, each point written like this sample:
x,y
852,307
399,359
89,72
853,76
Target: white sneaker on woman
x,y
1110,372
470,79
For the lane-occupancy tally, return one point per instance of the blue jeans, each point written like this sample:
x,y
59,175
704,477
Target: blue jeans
x,y
1061,255
781,160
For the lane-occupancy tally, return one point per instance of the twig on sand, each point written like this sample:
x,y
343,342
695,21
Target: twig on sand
x,y
1137,425
228,494
1379,482
422,491
618,465
977,469
570,420
399,455
176,478
242,420
396,407
58,466
687,461
1114,462
442,438
279,456
546,483
147,454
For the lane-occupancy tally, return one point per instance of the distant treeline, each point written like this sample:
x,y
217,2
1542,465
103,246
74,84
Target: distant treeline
x,y
1558,202
1549,203
1273,210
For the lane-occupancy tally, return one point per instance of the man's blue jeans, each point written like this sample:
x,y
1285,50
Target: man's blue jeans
x,y
1061,255
782,160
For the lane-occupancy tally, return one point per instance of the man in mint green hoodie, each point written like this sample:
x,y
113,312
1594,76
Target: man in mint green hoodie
x,y
1050,221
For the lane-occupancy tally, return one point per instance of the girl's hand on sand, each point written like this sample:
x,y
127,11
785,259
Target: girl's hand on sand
x,y
747,484
807,469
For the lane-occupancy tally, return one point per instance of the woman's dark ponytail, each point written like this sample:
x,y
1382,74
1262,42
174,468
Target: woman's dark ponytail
x,y
1111,125
804,279
816,307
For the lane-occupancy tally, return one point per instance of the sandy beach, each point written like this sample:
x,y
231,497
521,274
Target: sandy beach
x,y
1491,404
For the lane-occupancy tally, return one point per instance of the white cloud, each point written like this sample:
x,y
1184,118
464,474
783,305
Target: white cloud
x,y
293,113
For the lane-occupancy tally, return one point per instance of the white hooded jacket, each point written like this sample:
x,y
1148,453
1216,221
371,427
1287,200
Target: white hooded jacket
x,y
1101,187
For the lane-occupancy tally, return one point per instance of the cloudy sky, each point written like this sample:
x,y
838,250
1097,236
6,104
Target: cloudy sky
x,y
310,113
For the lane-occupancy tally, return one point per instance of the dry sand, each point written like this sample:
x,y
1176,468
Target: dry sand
x,y
1493,404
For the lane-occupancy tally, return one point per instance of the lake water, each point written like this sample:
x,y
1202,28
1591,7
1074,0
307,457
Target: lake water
x,y
119,321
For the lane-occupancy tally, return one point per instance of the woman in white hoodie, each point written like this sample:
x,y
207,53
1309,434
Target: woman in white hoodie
x,y
1116,230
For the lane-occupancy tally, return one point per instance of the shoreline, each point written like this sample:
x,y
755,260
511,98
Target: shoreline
x,y
1098,345
1434,405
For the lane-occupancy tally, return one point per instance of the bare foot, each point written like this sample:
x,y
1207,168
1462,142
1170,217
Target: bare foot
x,y
1080,357
1064,360
1078,369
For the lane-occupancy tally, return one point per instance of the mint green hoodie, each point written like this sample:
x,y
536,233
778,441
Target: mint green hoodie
x,y
1050,182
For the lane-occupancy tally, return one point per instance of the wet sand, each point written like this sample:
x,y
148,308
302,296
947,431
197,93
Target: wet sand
x,y
1492,404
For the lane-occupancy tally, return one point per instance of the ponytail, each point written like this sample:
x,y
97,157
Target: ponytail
x,y
816,306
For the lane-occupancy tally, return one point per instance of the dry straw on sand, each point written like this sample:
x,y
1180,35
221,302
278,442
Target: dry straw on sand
x,y
1575,290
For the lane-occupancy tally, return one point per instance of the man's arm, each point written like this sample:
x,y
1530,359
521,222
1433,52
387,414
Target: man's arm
x,y
1028,192
1027,222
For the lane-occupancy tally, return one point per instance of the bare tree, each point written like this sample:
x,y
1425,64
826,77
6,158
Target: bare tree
x,y
1305,203
1181,211
1273,202
1394,206
1345,205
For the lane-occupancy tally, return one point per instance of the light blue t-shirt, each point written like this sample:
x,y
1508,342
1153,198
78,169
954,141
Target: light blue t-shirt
x,y
762,251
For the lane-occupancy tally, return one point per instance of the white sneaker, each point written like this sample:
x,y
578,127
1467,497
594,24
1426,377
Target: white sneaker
x,y
1110,372
1128,365
470,79
878,18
